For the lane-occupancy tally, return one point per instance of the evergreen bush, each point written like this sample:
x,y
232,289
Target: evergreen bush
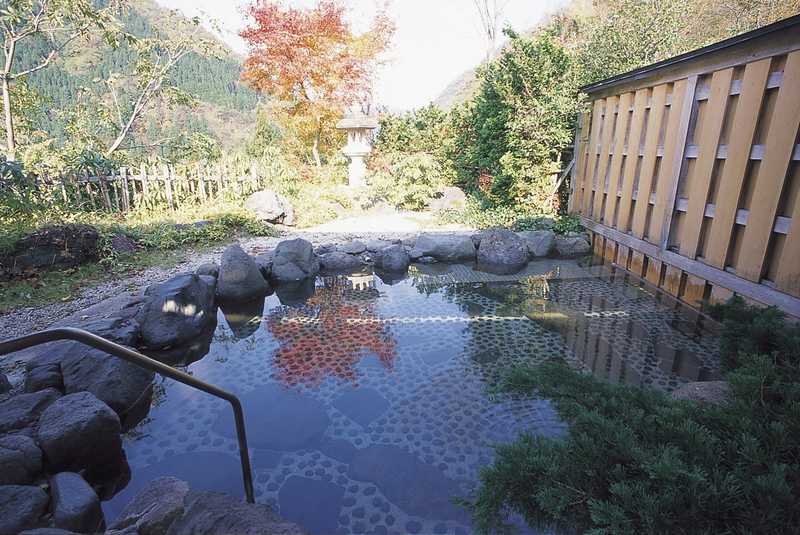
x,y
636,461
407,181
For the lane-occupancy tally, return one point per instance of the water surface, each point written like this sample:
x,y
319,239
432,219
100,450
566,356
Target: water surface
x,y
367,401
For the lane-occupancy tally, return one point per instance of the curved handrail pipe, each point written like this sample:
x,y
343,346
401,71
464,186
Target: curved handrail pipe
x,y
129,355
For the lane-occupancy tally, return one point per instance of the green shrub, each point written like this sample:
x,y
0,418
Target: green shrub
x,y
481,214
520,121
636,461
567,223
407,181
427,130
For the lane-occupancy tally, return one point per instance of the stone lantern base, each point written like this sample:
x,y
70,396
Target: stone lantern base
x,y
356,171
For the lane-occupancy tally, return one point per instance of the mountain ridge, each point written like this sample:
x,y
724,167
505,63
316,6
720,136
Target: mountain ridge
x,y
223,99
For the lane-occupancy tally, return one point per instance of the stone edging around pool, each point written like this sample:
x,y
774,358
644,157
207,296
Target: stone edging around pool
x,y
60,428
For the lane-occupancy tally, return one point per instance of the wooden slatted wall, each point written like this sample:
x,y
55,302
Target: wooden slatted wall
x,y
691,178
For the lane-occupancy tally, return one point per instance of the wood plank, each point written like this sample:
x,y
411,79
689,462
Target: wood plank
x,y
602,161
720,294
787,277
610,251
780,142
759,292
732,178
616,160
694,290
579,151
591,158
653,273
671,164
657,110
698,191
637,263
629,174
622,256
126,200
672,280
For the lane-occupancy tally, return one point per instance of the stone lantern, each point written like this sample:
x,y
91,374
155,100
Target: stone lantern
x,y
359,128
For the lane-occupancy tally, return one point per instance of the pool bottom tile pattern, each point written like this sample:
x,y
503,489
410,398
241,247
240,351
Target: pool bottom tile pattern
x,y
368,405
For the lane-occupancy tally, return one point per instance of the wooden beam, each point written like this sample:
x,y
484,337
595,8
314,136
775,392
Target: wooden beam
x,y
616,159
781,139
700,183
675,143
733,175
752,290
649,162
632,163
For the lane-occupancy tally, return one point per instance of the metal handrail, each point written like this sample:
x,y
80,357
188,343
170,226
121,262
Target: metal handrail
x,y
129,355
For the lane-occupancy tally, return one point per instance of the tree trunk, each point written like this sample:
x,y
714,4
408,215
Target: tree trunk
x,y
315,148
11,143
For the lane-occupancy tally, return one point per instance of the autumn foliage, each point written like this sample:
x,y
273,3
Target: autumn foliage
x,y
311,60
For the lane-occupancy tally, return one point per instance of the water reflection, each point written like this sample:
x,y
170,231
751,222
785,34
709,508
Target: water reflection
x,y
295,293
336,328
244,319
369,404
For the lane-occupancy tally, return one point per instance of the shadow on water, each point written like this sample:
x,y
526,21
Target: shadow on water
x,y
244,319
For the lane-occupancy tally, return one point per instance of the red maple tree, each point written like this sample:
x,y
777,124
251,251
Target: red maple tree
x,y
312,59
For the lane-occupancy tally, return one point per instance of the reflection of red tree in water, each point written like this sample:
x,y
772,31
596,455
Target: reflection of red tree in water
x,y
328,337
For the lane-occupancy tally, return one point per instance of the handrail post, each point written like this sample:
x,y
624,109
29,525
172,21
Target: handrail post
x,y
129,355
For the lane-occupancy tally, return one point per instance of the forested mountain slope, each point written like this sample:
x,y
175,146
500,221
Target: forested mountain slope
x,y
226,108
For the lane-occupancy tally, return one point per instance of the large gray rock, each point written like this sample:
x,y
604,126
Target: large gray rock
x,y
21,412
294,261
353,247
20,460
338,261
5,384
52,247
46,375
209,269
444,247
47,531
451,198
175,316
502,247
75,504
210,513
21,508
705,392
123,386
572,245
78,431
122,244
393,258
271,207
154,508
239,277
264,263
374,246
540,242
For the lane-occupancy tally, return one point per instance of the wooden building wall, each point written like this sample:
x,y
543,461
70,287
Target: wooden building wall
x,y
689,175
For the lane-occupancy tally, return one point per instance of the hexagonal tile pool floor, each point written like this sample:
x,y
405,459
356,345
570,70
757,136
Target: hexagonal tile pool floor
x,y
366,402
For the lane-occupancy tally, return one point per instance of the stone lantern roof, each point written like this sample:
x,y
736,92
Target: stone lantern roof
x,y
357,120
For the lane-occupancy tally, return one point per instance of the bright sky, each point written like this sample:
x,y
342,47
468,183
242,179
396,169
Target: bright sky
x,y
435,42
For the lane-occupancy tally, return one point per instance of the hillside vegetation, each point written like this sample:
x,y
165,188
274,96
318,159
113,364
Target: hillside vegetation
x,y
610,35
222,100
505,131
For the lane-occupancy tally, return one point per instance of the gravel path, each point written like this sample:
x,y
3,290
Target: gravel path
x,y
396,225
